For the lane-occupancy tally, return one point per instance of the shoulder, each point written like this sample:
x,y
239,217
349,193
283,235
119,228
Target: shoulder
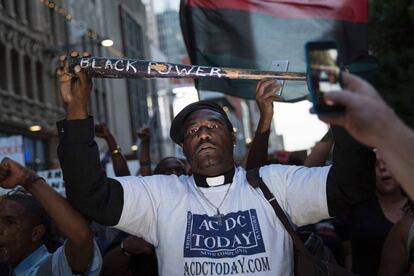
x,y
290,172
169,182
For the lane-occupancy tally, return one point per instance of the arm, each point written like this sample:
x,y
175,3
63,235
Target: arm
x,y
394,252
372,122
87,187
79,247
144,151
265,95
320,152
351,179
118,160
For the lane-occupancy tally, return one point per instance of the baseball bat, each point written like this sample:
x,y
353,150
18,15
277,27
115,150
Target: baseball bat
x,y
100,67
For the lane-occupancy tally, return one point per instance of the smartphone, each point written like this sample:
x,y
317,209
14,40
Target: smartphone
x,y
323,74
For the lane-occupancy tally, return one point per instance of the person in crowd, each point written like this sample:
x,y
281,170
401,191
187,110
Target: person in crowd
x,y
213,220
23,222
370,222
167,165
372,122
170,165
265,96
125,254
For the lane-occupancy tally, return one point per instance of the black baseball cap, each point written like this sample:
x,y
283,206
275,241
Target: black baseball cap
x,y
176,131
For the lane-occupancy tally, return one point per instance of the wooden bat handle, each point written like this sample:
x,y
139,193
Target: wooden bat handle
x,y
99,67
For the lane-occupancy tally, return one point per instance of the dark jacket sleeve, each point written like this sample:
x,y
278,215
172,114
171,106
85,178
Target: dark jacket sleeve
x,y
87,188
257,156
351,179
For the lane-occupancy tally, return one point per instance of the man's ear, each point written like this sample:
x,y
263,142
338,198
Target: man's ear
x,y
38,232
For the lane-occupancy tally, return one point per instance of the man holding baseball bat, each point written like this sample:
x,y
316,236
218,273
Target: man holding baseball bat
x,y
214,222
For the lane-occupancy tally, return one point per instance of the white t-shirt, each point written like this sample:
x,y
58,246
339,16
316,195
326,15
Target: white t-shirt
x,y
171,214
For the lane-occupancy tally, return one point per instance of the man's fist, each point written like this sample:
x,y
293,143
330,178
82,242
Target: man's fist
x,y
144,134
13,174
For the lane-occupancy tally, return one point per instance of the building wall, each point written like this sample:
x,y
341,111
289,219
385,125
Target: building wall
x,y
30,34
170,36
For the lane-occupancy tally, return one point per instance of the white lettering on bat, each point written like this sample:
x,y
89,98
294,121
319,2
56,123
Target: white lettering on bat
x,y
84,63
94,64
108,64
116,65
129,66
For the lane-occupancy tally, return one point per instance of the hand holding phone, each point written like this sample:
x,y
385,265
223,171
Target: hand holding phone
x,y
323,74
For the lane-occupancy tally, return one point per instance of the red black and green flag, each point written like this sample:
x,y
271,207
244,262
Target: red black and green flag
x,y
251,34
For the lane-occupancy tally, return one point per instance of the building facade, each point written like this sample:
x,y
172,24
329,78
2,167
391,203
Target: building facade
x,y
170,37
33,33
30,34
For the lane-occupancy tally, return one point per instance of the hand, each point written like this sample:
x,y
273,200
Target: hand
x,y
102,131
265,95
366,116
13,174
74,88
135,245
144,134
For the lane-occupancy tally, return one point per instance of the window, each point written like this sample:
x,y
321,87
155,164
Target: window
x,y
16,72
39,81
34,153
105,107
137,88
29,13
98,113
28,77
3,68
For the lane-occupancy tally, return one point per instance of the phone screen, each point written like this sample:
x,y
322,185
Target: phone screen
x,y
324,73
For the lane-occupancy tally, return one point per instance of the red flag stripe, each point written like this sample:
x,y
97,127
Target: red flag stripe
x,y
348,10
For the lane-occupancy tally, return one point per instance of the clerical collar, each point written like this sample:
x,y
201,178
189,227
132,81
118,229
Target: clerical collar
x,y
214,181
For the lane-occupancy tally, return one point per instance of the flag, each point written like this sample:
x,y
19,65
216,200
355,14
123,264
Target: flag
x,y
250,34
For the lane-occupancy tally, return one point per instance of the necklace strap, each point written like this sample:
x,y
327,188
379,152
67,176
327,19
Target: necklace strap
x,y
217,208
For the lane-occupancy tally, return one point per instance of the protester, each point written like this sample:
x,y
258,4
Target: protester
x,y
125,254
23,222
371,221
214,220
265,96
372,122
170,165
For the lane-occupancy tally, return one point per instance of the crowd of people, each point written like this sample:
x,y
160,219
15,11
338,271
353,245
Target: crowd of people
x,y
201,215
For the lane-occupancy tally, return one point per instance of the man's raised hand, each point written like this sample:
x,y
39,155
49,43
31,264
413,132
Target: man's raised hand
x,y
13,174
265,95
144,134
75,88
367,116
